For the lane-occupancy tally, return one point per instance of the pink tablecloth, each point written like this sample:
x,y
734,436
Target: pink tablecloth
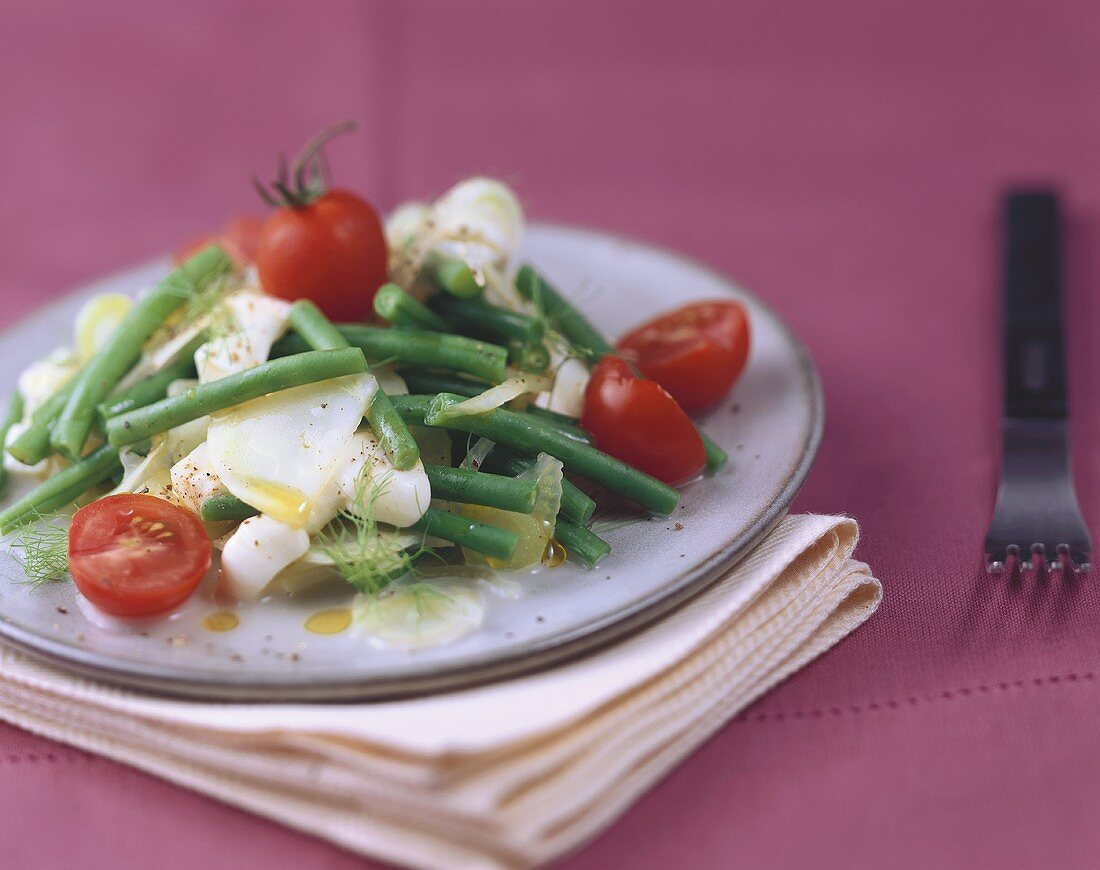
x,y
843,160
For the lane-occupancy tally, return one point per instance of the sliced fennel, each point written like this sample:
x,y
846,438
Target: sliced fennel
x,y
535,530
397,496
280,453
138,470
475,456
97,319
44,377
317,568
478,221
202,314
419,615
497,396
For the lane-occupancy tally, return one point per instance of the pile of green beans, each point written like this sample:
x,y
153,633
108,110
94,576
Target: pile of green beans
x,y
441,367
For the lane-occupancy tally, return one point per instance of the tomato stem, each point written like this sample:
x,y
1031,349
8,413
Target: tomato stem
x,y
307,178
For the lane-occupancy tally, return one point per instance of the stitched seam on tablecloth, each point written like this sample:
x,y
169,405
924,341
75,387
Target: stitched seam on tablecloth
x,y
742,719
46,757
917,700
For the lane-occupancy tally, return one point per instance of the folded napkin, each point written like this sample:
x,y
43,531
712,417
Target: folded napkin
x,y
507,775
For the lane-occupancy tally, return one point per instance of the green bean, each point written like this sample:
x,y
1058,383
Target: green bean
x,y
122,349
475,487
153,388
33,445
586,338
220,508
565,425
580,542
533,357
417,348
310,323
716,456
393,434
420,381
561,314
574,503
431,349
395,306
481,537
527,434
234,389
453,275
14,415
487,320
63,488
412,408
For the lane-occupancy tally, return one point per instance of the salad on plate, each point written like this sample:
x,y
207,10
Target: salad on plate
x,y
323,397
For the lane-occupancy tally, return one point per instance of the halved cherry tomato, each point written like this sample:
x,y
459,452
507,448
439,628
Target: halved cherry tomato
x,y
136,555
695,352
638,422
332,251
240,238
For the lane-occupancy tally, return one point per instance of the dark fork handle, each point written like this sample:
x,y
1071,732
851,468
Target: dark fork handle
x,y
1034,362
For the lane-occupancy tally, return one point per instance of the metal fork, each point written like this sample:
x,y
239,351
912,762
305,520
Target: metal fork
x,y
1036,516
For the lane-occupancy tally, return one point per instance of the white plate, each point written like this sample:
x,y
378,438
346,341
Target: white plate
x,y
771,425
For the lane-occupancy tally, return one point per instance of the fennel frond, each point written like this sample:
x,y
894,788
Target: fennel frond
x,y
44,551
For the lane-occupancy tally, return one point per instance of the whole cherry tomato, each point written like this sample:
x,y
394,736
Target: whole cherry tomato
x,y
137,555
695,352
324,245
330,250
638,422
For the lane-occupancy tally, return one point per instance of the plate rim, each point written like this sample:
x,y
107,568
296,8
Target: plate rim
x,y
561,648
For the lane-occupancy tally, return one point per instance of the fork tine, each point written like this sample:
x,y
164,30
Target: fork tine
x,y
1036,521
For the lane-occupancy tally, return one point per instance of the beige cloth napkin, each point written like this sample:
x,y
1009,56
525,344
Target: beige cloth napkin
x,y
507,775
